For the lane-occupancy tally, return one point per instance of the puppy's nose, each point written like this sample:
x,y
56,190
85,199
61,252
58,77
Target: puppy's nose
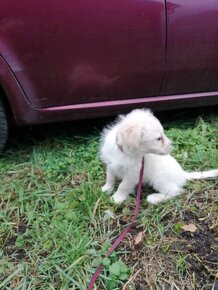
x,y
171,143
168,142
171,147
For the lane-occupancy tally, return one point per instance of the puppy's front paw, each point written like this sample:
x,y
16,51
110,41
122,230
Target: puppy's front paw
x,y
107,188
155,198
118,198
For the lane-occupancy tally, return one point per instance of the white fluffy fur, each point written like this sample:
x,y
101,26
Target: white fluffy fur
x,y
138,134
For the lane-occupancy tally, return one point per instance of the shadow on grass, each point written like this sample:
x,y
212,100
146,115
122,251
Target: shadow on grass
x,y
28,136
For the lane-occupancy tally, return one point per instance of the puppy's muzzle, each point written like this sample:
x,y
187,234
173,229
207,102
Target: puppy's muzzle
x,y
167,147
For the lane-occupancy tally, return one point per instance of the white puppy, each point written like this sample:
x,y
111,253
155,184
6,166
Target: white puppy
x,y
138,134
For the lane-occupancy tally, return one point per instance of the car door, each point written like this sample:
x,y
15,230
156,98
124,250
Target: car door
x,y
192,51
84,51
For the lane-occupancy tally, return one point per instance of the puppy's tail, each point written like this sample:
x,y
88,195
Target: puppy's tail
x,y
202,175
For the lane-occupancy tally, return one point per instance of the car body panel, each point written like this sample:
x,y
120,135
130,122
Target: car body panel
x,y
73,52
33,75
192,47
25,114
110,108
21,109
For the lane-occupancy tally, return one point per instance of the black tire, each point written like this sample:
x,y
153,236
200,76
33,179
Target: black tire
x,y
3,126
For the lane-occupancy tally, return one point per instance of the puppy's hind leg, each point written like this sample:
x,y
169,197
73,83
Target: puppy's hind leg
x,y
172,191
110,180
124,189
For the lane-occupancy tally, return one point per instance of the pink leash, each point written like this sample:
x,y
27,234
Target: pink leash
x,y
126,231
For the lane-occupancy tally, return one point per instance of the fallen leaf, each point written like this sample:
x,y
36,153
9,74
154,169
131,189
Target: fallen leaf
x,y
138,238
38,172
190,228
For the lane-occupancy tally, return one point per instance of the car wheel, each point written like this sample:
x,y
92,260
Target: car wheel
x,y
3,126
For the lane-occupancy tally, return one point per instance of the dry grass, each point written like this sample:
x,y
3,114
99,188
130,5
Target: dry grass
x,y
179,259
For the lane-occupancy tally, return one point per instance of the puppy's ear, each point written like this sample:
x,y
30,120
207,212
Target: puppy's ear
x,y
129,136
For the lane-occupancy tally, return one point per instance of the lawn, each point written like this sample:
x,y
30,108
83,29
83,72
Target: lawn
x,y
54,221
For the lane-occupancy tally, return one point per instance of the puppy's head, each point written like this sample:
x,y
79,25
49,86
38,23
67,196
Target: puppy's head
x,y
140,132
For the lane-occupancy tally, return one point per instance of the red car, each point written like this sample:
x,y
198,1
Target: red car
x,y
73,59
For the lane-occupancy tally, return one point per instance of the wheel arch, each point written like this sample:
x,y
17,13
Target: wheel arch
x,y
12,94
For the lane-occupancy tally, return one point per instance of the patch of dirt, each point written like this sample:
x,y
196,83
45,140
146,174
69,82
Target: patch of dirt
x,y
78,178
201,248
10,250
179,260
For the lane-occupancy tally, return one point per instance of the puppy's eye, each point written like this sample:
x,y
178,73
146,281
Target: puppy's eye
x,y
159,139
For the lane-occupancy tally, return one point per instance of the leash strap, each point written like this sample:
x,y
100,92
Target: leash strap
x,y
126,231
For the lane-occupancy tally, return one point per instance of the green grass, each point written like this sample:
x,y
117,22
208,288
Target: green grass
x,y
53,227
